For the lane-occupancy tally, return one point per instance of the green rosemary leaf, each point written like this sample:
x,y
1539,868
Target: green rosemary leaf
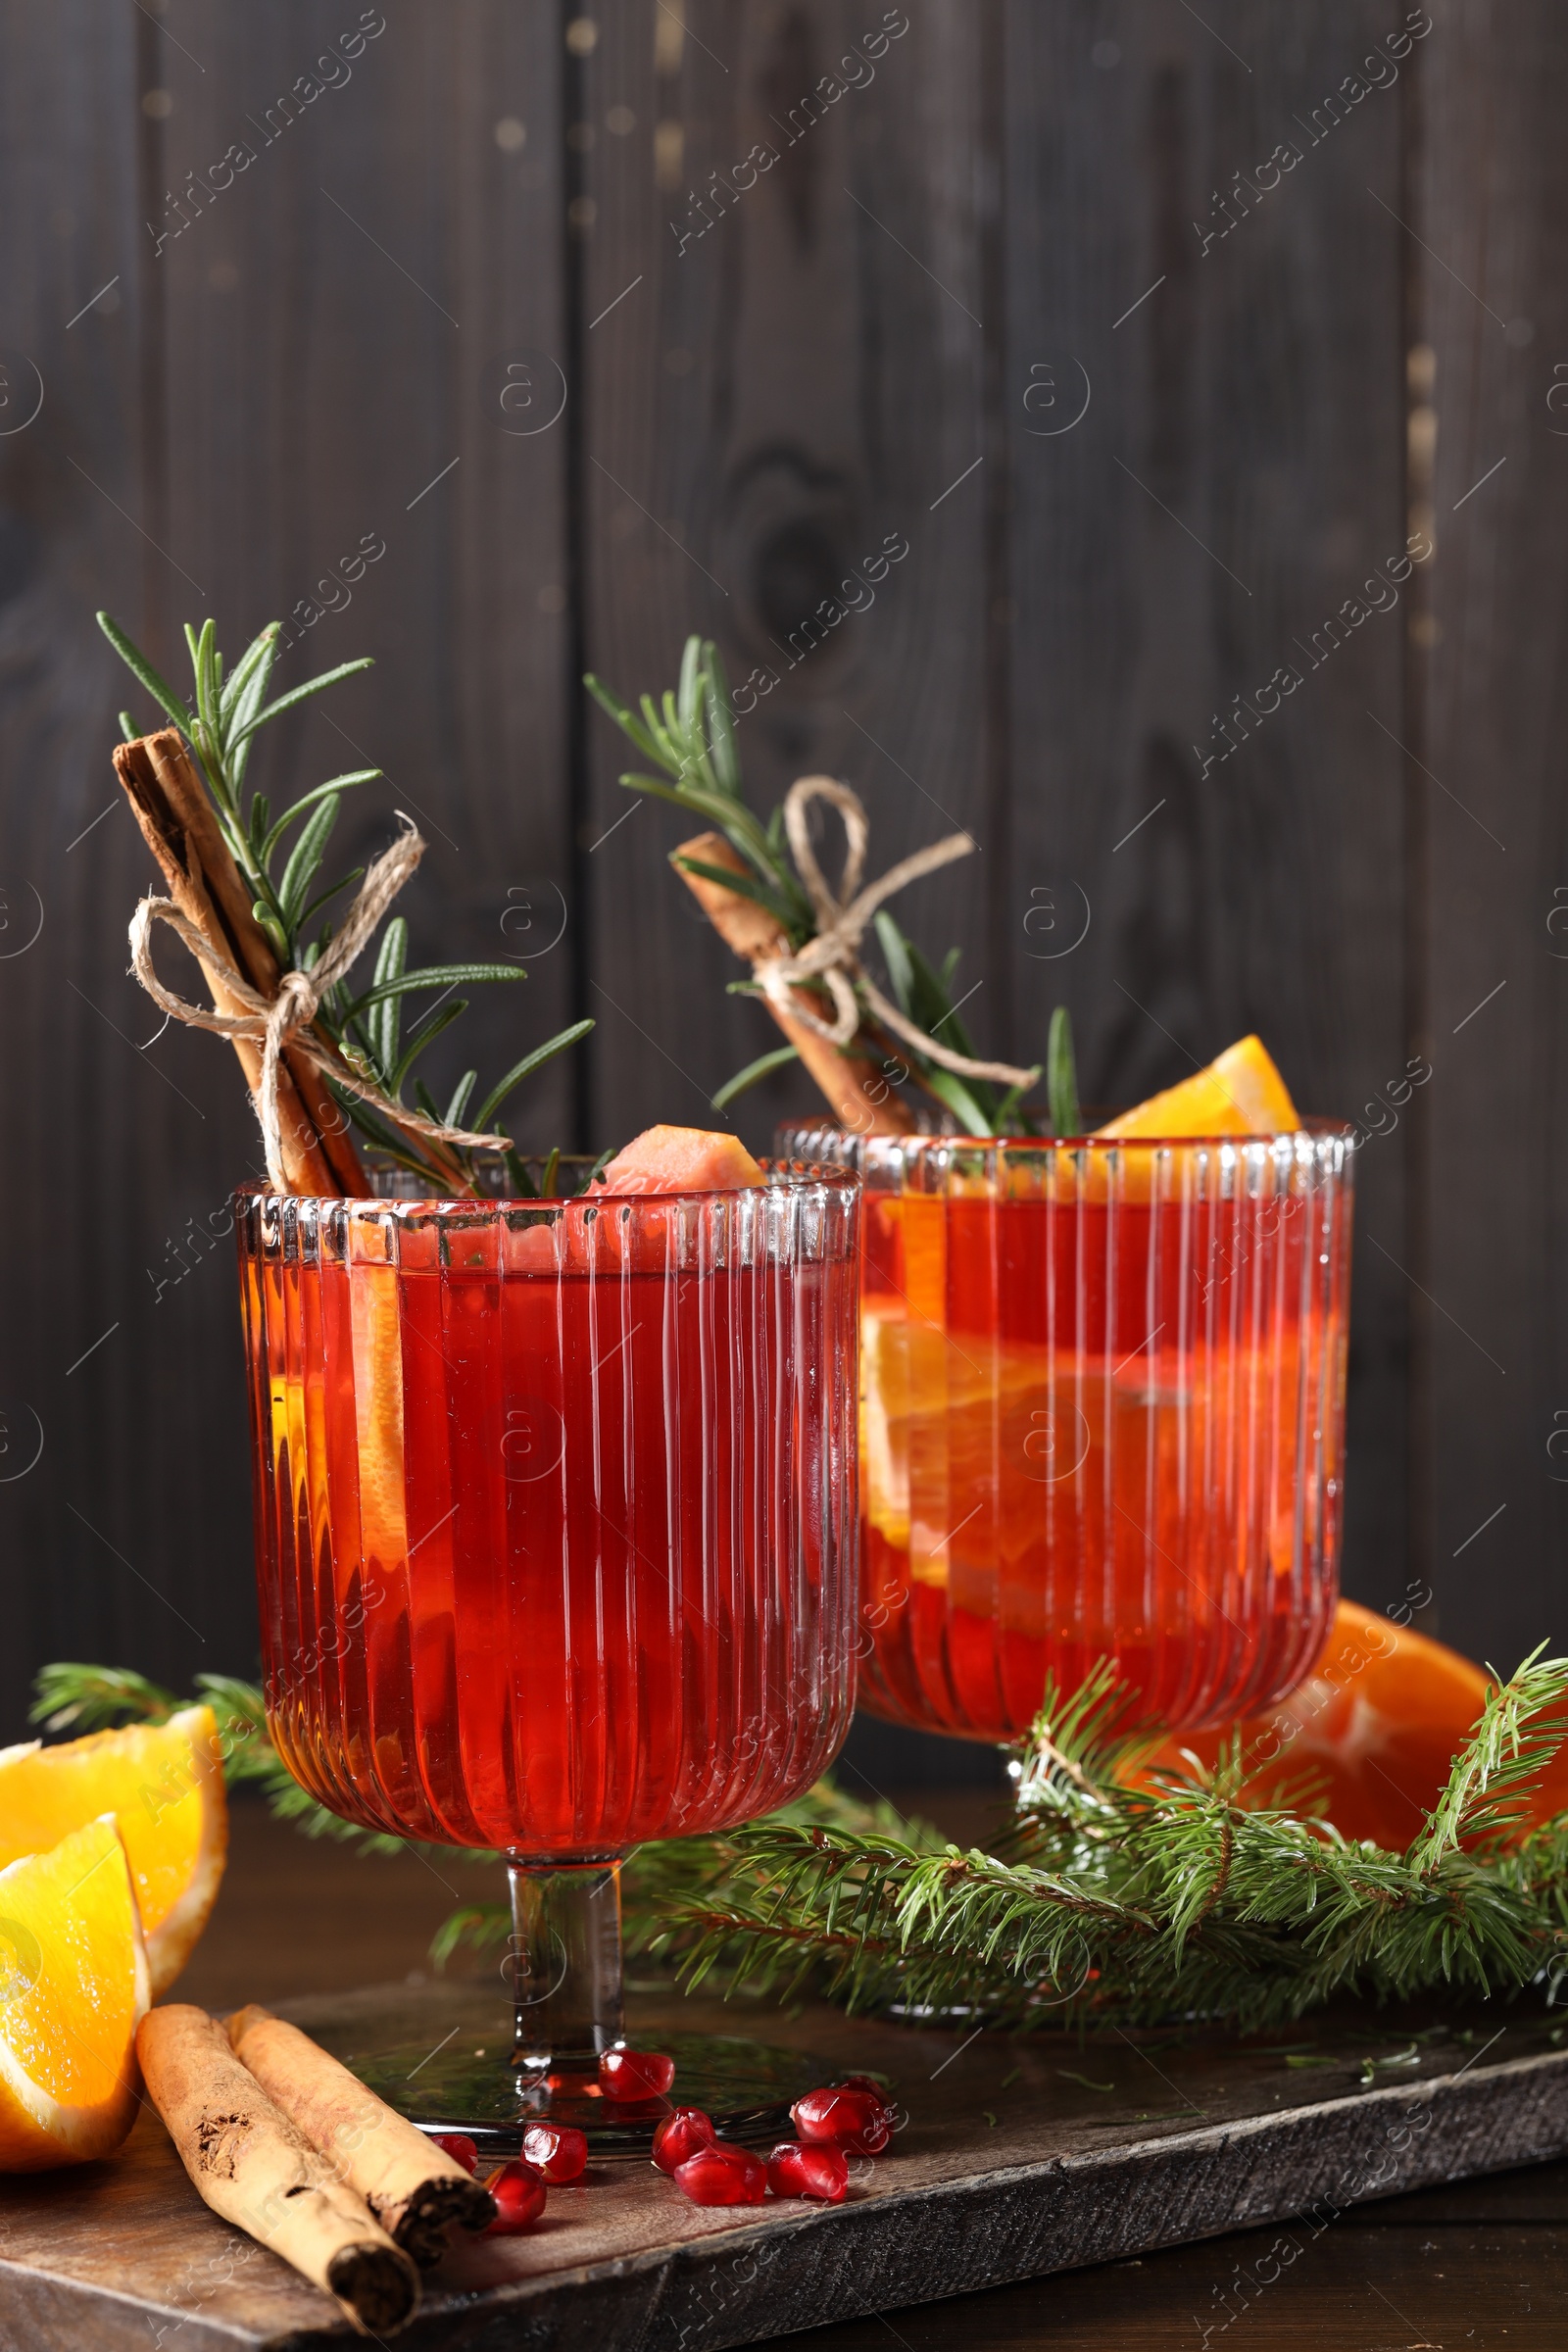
x,y
389,1141
552,1045
244,669
433,975
670,750
452,1117
625,718
317,791
896,955
296,695
383,1026
247,703
752,1074
306,858
720,722
276,935
742,884
1061,1075
127,727
932,1006
549,1182
423,1033
256,826
688,697
732,818
207,688
140,667
322,899
950,1089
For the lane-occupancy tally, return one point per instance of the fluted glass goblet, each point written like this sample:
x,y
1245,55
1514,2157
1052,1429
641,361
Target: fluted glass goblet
x,y
555,1510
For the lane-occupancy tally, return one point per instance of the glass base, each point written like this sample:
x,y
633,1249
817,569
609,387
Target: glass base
x,y
440,2055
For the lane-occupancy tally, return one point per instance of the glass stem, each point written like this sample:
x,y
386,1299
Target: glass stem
x,y
565,1962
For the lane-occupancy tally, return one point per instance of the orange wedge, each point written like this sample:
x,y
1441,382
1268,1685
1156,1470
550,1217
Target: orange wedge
x,y
682,1160
72,1992
1240,1093
1375,1726
164,1785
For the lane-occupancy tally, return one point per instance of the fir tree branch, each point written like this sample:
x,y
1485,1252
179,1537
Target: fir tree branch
x,y
1112,1901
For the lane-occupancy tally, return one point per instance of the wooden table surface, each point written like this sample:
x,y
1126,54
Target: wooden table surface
x,y
1481,2263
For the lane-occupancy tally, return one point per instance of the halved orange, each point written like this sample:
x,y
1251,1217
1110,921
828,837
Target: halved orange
x,y
1375,1726
164,1785
1240,1092
72,1992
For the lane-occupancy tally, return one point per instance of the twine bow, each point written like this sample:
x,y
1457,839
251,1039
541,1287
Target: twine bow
x,y
833,955
285,1019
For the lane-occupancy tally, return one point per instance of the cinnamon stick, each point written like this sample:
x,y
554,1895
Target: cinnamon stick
x,y
412,2187
859,1097
170,806
253,2166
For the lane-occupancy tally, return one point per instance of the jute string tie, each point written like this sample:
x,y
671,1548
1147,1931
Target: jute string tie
x,y
286,1017
833,955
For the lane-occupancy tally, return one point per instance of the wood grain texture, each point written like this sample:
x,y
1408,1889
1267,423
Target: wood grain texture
x,y
1008,2168
788,388
1235,477
1489,703
250,402
995,213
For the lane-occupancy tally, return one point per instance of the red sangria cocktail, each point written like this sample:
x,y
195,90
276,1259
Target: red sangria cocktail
x,y
556,1543
1103,1415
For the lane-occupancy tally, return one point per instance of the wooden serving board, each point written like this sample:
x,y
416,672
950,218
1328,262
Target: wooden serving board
x,y
1017,2160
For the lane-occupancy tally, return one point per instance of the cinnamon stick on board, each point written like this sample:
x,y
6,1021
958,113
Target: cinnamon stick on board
x,y
170,804
860,1098
253,2166
412,2187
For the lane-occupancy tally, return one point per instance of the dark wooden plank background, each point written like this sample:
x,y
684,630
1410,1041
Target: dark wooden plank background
x,y
891,334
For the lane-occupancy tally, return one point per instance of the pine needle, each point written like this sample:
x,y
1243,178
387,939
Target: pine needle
x,y
1154,1902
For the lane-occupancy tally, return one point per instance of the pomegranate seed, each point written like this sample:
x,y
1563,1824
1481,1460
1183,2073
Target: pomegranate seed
x,y
720,2176
847,2118
635,2073
818,2170
459,2146
680,2135
869,2084
557,2151
519,2197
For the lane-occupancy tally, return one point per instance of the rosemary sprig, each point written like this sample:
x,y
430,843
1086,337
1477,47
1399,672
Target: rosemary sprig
x,y
1116,1896
220,722
689,736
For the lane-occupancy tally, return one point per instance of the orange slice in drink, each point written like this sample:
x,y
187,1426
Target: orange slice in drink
x,y
164,1785
72,1992
1240,1093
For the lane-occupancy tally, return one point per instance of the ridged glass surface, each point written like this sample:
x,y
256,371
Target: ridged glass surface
x,y
1101,1414
554,1505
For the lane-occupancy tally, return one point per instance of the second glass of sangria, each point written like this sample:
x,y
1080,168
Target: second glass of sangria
x,y
1101,1415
